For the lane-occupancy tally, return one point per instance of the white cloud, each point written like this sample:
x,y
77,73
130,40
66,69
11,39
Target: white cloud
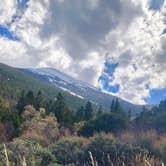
x,y
7,10
140,45
74,36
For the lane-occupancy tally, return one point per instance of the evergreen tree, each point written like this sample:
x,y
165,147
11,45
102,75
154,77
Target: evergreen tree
x,y
80,116
29,98
113,106
59,107
117,106
39,100
50,105
21,102
100,111
129,114
88,111
67,119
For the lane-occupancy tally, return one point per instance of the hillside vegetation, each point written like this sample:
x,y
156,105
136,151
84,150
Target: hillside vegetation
x,y
13,81
40,128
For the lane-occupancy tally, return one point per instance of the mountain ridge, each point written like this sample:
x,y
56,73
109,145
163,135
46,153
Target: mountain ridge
x,y
80,88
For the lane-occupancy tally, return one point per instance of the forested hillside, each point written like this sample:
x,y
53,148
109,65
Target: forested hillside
x,y
44,126
13,81
44,132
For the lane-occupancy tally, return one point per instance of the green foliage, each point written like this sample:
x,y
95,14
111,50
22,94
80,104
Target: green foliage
x,y
12,121
153,119
106,151
63,114
88,111
115,106
59,107
29,98
69,151
79,115
84,113
100,111
33,153
39,100
13,81
107,122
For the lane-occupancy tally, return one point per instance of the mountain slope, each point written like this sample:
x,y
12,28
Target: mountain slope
x,y
13,81
79,88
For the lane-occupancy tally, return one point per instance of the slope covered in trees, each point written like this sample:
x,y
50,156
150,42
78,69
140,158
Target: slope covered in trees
x,y
48,133
40,127
13,81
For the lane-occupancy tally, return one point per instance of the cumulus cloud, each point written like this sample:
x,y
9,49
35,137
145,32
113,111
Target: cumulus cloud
x,y
74,36
140,53
7,10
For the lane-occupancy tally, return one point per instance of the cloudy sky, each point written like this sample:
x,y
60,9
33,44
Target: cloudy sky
x,y
117,45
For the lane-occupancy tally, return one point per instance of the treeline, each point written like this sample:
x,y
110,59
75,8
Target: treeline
x,y
91,121
57,131
152,119
94,120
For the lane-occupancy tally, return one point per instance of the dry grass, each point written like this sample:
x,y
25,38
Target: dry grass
x,y
137,161
6,155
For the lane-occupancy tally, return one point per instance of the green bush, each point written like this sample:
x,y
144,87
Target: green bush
x,y
106,151
107,122
69,151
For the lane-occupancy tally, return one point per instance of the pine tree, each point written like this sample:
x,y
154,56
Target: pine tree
x,y
29,98
80,116
88,111
59,107
50,105
67,118
21,102
100,111
38,100
129,114
117,105
113,106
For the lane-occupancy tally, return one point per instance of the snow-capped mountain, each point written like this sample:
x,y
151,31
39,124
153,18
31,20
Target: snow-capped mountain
x,y
80,89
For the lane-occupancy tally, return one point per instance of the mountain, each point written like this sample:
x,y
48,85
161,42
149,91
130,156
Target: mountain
x,y
79,89
51,82
14,80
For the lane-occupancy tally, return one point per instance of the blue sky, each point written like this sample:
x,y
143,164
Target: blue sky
x,y
156,95
5,29
6,33
156,4
133,39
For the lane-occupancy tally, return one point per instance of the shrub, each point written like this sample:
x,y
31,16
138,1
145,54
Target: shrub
x,y
108,151
69,150
107,122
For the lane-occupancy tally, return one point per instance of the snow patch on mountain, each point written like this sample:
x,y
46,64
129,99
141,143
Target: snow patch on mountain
x,y
72,93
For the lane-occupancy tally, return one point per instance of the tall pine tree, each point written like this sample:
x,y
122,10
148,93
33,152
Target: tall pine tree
x,y
88,111
39,100
113,106
59,107
80,116
100,111
21,102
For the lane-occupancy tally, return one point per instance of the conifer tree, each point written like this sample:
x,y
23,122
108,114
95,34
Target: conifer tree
x,y
113,106
59,107
38,100
88,111
100,111
21,102
29,98
80,116
117,105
